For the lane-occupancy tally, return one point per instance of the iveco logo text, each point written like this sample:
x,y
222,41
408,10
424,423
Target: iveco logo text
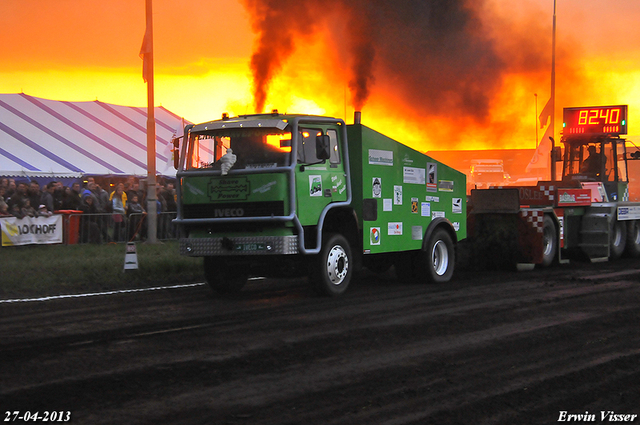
x,y
228,212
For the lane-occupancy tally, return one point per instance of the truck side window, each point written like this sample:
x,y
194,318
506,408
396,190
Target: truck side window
x,y
335,150
307,145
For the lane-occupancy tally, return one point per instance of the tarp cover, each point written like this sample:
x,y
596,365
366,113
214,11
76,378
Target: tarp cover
x,y
50,138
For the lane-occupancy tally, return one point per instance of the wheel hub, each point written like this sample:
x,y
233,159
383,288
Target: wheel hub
x,y
440,258
337,265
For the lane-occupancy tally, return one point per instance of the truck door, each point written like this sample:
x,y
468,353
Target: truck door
x,y
318,182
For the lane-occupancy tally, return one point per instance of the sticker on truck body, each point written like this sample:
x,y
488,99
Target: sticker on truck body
x,y
376,187
394,229
315,185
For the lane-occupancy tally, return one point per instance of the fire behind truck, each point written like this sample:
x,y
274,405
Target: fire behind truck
x,y
278,195
587,213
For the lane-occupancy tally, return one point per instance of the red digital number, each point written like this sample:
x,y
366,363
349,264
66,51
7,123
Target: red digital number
x,y
615,120
593,115
582,118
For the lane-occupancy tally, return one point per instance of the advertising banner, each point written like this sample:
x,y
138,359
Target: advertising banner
x,y
31,230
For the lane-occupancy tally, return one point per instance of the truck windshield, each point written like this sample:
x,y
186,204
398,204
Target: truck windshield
x,y
253,148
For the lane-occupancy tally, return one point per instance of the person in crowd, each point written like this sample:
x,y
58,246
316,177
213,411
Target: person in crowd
x,y
4,208
71,198
34,193
119,207
16,211
169,208
135,215
58,196
47,197
43,212
11,188
16,197
27,209
89,228
4,182
161,208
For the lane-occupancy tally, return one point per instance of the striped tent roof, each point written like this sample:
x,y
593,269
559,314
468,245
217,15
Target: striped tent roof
x,y
50,138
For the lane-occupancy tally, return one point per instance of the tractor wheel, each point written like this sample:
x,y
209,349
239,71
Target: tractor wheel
x,y
333,268
633,239
550,242
617,239
223,279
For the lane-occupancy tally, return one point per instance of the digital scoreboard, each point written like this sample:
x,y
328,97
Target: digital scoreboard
x,y
595,120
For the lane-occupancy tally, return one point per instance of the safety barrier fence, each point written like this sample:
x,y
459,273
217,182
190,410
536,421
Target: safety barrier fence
x,y
104,228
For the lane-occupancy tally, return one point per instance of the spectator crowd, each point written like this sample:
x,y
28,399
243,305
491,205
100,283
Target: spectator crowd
x,y
114,216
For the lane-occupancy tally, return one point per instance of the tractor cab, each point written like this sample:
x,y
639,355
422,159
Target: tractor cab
x,y
599,159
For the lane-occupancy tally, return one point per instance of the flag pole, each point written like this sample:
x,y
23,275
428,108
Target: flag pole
x,y
152,217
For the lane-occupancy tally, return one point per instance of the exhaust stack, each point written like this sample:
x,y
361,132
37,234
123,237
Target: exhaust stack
x,y
357,117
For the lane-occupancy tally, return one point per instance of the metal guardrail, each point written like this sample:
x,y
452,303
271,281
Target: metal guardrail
x,y
108,227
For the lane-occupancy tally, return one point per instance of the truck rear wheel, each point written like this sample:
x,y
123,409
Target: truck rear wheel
x,y
633,239
439,256
334,266
223,279
617,239
549,242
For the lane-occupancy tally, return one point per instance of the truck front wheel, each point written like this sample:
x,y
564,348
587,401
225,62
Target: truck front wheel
x,y
223,279
334,266
440,256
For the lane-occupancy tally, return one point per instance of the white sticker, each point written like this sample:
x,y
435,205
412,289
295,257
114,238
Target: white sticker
x,y
315,185
432,199
397,195
387,204
394,228
432,177
436,214
416,233
456,205
374,236
379,157
376,187
456,226
425,210
413,175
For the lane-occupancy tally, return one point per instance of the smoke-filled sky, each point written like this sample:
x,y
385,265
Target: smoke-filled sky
x,y
436,74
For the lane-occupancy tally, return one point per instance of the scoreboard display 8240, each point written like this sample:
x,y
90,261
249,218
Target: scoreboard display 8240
x,y
595,120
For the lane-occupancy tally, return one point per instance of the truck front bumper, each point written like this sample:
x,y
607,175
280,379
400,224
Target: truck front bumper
x,y
241,245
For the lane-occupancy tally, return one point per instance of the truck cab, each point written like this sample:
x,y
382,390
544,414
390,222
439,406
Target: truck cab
x,y
288,195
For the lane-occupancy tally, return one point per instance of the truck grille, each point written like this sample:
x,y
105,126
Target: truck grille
x,y
236,209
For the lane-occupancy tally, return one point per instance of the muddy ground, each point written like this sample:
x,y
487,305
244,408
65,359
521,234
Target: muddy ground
x,y
486,348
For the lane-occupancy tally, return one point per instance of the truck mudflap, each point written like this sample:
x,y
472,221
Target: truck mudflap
x,y
241,245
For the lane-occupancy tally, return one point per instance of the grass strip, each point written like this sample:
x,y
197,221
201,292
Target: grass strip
x,y
43,270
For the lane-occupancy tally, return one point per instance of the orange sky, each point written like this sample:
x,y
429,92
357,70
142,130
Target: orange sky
x,y
88,49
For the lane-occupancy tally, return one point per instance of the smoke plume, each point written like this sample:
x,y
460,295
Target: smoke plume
x,y
434,53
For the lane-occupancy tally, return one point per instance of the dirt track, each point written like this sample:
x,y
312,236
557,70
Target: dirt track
x,y
503,348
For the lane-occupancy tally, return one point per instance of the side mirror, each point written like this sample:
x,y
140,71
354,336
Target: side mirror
x,y
176,152
323,147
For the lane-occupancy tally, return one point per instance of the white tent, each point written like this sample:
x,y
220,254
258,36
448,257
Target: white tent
x,y
50,138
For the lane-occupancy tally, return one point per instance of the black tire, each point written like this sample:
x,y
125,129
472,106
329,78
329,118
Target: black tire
x,y
333,268
223,279
438,257
549,242
633,239
617,239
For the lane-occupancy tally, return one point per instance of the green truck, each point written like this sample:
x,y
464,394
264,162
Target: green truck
x,y
288,195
